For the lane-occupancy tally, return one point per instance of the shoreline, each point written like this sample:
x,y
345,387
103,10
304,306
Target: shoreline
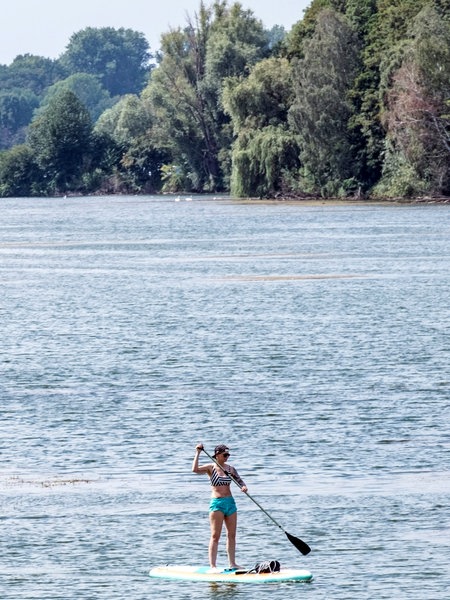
x,y
305,201
344,201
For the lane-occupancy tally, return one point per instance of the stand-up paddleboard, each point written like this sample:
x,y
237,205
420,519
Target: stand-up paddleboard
x,y
188,573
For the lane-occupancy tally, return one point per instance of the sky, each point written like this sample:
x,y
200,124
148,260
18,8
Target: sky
x,y
44,27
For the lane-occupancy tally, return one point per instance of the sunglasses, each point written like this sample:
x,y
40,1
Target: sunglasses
x,y
226,454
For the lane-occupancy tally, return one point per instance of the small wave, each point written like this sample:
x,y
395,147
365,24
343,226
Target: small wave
x,y
46,483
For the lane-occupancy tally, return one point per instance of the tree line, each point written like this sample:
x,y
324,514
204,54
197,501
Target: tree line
x,y
354,100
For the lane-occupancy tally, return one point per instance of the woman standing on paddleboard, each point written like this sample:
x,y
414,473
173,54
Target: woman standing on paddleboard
x,y
222,508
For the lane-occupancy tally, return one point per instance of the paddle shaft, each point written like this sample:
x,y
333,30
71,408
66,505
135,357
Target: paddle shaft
x,y
299,544
251,498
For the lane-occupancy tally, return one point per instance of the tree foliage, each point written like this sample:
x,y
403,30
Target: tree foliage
x,y
29,72
262,160
19,172
262,98
382,27
417,116
185,90
354,99
264,149
16,110
138,162
87,89
61,138
322,109
118,57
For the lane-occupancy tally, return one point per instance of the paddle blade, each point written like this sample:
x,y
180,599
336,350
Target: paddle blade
x,y
299,544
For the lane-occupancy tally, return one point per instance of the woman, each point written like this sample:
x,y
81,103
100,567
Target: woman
x,y
222,508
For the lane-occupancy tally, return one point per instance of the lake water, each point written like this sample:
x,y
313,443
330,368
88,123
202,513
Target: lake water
x,y
313,340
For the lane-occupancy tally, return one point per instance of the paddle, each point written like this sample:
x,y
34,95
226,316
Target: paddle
x,y
297,542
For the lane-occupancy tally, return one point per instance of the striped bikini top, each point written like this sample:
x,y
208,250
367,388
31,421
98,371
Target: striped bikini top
x,y
217,479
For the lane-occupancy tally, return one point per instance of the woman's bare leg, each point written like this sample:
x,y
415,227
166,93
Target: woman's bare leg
x,y
216,521
231,525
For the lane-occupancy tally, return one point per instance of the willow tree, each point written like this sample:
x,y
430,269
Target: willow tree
x,y
322,109
265,151
185,90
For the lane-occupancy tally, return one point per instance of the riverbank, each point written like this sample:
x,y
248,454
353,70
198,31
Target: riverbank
x,y
342,201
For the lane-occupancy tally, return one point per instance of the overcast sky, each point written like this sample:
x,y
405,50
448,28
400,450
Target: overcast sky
x,y
44,27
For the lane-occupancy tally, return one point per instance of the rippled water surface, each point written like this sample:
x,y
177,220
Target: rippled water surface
x,y
314,340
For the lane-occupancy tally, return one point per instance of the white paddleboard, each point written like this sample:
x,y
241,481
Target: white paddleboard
x,y
190,573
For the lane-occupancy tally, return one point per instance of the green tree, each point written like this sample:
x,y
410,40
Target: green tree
x,y
360,14
276,37
118,57
19,172
263,162
265,150
29,72
22,85
61,138
417,157
185,90
88,90
322,109
236,41
138,163
127,119
305,27
184,125
381,26
16,111
263,98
